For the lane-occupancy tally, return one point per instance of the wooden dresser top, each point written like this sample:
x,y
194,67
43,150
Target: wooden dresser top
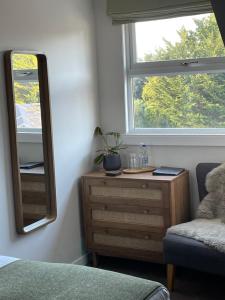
x,y
141,176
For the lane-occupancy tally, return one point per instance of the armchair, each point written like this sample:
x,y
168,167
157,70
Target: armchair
x,y
190,253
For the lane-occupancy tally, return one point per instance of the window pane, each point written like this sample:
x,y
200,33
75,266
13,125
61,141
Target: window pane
x,y
178,38
179,101
28,110
24,61
26,91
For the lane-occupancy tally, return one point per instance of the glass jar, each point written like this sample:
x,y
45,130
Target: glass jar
x,y
133,161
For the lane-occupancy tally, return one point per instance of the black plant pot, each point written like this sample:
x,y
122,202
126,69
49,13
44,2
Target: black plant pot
x,y
112,162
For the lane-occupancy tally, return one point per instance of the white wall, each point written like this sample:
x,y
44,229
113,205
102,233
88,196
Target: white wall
x,y
64,30
111,88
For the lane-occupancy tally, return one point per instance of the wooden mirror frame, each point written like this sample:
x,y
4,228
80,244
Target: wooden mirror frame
x,y
47,142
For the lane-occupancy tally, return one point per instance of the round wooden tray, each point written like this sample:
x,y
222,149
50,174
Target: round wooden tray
x,y
138,170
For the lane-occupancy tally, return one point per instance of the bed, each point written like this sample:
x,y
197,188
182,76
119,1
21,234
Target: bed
x,y
23,280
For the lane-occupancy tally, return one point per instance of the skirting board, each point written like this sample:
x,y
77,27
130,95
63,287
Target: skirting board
x,y
83,260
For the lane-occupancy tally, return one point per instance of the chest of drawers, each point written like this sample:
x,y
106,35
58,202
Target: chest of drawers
x,y
34,195
127,216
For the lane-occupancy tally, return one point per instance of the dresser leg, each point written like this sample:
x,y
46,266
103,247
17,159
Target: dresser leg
x,y
94,259
170,277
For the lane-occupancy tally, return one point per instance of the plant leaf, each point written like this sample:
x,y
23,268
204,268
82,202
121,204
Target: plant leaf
x,y
99,159
113,151
98,131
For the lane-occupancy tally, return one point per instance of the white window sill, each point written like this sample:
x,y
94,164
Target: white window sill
x,y
206,140
28,137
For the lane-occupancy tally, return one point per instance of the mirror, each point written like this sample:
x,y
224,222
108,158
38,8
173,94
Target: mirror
x,y
31,139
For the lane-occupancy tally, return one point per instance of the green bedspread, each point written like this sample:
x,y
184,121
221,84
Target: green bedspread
x,y
29,280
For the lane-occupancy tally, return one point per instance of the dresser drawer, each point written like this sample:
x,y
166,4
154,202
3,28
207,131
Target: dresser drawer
x,y
151,242
144,235
34,183
142,192
126,242
128,218
131,192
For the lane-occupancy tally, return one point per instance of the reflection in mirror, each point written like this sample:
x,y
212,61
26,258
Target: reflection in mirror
x,y
31,145
28,121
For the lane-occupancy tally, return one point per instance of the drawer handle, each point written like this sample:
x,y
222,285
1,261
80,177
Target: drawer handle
x,y
106,231
146,212
147,237
105,207
144,186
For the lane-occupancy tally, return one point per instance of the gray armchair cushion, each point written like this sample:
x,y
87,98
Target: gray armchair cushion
x,y
190,253
202,170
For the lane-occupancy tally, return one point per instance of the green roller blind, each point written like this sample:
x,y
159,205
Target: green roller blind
x,y
128,11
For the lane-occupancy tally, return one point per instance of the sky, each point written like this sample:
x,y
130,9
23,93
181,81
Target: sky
x,y
149,35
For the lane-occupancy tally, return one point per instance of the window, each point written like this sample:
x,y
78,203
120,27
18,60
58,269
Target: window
x,y
26,90
176,76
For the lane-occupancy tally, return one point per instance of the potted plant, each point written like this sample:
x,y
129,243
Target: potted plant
x,y
109,154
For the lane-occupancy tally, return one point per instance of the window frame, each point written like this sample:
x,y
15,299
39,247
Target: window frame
x,y
163,68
